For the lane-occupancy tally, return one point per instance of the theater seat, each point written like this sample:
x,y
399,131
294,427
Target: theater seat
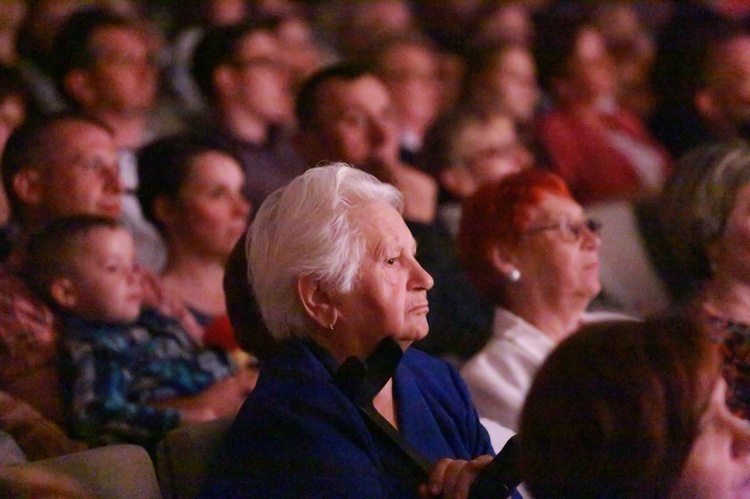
x,y
185,455
115,471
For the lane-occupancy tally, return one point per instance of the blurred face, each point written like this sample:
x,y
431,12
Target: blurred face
x,y
558,255
591,72
124,77
515,83
719,463
411,73
490,150
355,123
211,212
261,83
81,176
731,253
730,82
389,298
12,114
105,284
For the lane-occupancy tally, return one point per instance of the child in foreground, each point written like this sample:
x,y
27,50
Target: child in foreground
x,y
132,374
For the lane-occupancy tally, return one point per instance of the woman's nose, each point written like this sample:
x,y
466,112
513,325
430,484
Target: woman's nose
x,y
591,239
421,278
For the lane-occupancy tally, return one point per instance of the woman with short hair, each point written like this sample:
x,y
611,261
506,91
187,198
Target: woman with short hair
x,y
345,408
528,246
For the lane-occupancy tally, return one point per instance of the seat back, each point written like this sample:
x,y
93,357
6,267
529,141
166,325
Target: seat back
x,y
185,455
115,471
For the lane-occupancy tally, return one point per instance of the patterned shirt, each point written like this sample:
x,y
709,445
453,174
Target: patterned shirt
x,y
116,370
734,340
28,340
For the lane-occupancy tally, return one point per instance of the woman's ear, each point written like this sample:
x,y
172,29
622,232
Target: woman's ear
x,y
502,259
318,303
64,292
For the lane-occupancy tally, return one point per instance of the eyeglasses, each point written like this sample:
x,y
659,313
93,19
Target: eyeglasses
x,y
571,232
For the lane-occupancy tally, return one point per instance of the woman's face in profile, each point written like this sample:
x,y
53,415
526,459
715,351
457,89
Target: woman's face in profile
x,y
211,212
731,253
719,463
558,254
389,298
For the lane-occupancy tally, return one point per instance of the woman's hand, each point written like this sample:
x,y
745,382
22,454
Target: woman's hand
x,y
452,478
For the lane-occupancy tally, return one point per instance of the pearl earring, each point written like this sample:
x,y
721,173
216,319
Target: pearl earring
x,y
514,275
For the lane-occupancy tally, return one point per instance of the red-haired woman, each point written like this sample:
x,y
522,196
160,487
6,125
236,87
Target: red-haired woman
x,y
526,244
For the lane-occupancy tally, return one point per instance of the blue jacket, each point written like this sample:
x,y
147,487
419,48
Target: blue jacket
x,y
298,435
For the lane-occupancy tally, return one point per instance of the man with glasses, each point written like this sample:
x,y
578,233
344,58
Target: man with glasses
x,y
240,74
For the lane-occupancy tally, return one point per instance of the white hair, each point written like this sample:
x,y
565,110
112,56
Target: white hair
x,y
306,229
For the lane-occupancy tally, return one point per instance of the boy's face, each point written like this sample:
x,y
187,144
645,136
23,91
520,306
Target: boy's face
x,y
104,285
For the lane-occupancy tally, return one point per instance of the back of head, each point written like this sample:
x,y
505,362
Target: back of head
x,y
694,208
29,146
615,409
497,214
306,228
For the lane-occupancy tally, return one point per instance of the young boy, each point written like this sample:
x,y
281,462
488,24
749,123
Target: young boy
x,y
133,374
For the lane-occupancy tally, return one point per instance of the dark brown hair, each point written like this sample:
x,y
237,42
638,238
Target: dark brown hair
x,y
615,409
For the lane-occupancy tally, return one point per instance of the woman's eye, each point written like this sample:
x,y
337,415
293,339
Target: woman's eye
x,y
391,261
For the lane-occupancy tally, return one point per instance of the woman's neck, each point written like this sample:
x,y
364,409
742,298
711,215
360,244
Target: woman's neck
x,y
728,298
196,281
556,321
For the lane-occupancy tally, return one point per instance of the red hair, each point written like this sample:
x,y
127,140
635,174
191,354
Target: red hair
x,y
497,214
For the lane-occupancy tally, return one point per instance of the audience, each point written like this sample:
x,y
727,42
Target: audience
x,y
105,68
345,113
64,165
131,373
192,191
633,409
526,244
240,74
401,120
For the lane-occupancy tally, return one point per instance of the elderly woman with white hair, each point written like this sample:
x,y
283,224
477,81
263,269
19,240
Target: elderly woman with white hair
x,y
345,408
